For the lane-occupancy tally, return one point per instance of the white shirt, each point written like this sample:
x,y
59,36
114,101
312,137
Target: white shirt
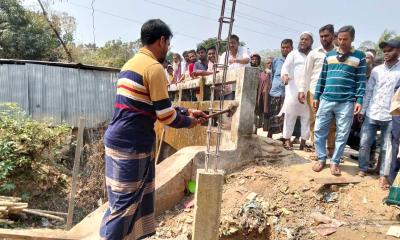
x,y
294,68
379,92
312,70
242,53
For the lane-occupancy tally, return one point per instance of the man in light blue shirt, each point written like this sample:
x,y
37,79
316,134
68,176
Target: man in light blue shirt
x,y
376,109
274,123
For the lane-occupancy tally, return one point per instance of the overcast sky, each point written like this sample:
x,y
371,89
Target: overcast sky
x,y
261,24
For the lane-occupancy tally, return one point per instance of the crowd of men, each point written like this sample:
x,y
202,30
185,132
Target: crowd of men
x,y
331,96
315,88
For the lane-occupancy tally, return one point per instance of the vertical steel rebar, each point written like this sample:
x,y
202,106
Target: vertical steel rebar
x,y
221,98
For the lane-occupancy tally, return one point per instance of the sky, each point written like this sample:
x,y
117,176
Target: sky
x,y
261,24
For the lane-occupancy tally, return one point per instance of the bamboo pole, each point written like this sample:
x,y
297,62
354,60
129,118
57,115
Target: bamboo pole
x,y
75,172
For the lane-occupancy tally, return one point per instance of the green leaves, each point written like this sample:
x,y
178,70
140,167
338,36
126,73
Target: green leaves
x,y
25,34
25,144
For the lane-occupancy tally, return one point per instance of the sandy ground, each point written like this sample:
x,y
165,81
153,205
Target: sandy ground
x,y
287,192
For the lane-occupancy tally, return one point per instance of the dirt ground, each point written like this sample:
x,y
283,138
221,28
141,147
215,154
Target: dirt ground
x,y
287,193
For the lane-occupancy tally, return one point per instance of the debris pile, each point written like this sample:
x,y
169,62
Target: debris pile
x,y
10,206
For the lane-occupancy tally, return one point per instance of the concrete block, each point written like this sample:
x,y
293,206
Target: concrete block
x,y
208,205
172,176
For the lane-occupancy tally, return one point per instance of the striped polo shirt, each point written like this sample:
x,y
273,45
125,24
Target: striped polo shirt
x,y
342,81
142,98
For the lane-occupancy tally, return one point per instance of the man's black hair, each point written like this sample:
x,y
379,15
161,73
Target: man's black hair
x,y
192,51
185,52
329,27
211,48
234,36
201,48
154,29
287,41
257,56
350,29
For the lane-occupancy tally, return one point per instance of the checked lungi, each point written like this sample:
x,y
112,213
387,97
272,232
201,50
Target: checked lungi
x,y
130,190
272,121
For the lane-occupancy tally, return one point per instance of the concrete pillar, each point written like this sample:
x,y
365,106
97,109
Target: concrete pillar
x,y
246,93
208,205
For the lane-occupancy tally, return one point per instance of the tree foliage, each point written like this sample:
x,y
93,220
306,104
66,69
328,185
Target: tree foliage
x,y
25,34
386,35
24,143
114,53
207,43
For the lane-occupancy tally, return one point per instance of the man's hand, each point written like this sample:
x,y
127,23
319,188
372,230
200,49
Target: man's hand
x,y
232,60
301,97
360,117
315,105
285,79
194,122
198,115
357,108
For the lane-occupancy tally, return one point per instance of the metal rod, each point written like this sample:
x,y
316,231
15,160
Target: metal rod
x,y
222,20
224,73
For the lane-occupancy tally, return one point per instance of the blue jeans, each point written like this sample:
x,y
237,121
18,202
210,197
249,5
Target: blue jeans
x,y
395,136
342,113
368,134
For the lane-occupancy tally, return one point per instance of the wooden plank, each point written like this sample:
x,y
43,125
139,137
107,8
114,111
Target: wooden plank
x,y
50,212
46,215
29,235
75,171
337,180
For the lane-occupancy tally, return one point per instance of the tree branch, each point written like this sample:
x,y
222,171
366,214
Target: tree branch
x,y
55,32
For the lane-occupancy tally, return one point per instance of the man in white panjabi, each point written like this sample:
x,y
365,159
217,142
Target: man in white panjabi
x,y
292,72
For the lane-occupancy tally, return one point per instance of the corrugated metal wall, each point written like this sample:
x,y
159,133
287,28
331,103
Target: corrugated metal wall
x,y
59,93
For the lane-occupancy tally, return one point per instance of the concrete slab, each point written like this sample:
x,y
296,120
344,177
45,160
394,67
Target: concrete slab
x,y
172,176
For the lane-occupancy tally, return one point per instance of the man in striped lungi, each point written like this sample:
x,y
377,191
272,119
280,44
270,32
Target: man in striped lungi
x,y
142,98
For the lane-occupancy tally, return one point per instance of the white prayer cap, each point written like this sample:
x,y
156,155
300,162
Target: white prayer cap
x,y
308,33
369,53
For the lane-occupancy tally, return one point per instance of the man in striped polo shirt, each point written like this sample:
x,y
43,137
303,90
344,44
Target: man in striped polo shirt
x,y
142,98
338,96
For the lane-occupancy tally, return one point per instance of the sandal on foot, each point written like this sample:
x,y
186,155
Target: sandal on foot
x,y
288,147
362,174
318,166
384,183
335,170
314,157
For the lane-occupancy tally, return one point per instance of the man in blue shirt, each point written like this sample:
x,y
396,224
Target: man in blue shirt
x,y
274,123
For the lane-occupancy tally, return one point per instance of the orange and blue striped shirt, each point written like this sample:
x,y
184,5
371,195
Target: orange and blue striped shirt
x,y
142,98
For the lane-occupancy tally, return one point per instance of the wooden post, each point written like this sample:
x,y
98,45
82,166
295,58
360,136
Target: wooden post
x,y
75,172
160,145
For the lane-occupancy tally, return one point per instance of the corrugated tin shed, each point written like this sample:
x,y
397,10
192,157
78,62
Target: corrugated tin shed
x,y
59,91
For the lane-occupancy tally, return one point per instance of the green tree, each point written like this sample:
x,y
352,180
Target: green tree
x,y
114,53
386,35
25,34
270,53
213,42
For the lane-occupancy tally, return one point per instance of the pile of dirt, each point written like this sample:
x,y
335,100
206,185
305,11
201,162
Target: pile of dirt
x,y
268,200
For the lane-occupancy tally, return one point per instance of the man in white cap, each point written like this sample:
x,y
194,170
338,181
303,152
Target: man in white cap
x,y
312,70
292,72
370,59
